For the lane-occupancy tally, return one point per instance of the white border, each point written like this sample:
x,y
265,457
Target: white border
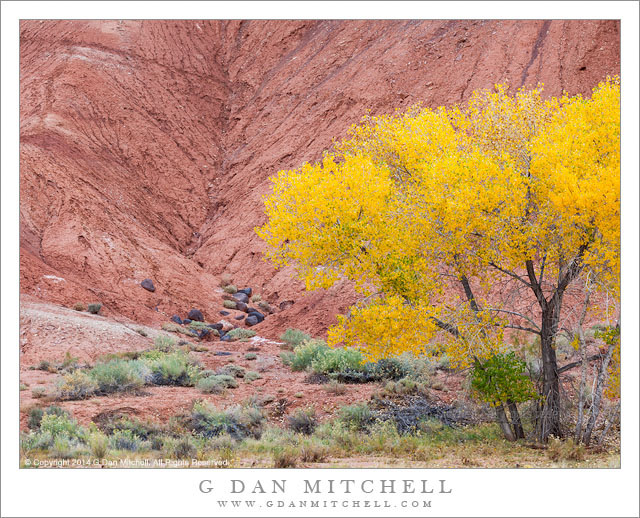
x,y
174,492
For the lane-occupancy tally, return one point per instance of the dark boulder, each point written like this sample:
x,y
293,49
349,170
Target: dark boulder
x,y
251,320
239,317
186,321
257,314
217,326
224,313
241,306
225,338
147,284
176,319
241,296
246,291
222,353
196,314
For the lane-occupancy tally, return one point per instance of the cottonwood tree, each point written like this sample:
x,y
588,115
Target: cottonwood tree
x,y
461,225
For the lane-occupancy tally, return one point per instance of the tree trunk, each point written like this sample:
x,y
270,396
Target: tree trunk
x,y
515,419
583,384
549,422
597,396
504,423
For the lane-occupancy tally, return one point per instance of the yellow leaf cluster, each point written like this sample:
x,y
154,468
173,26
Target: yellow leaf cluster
x,y
413,201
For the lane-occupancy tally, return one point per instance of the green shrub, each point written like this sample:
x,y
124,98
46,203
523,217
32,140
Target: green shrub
x,y
250,376
99,444
232,370
176,368
197,326
230,288
125,440
184,449
164,343
229,304
44,365
36,414
240,333
79,306
265,306
357,417
216,384
35,417
38,392
63,448
313,451
61,425
336,388
76,385
256,298
294,337
120,375
284,457
402,387
94,308
304,354
250,356
337,360
502,378
238,422
303,421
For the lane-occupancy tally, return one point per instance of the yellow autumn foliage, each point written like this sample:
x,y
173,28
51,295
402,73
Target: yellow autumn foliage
x,y
412,203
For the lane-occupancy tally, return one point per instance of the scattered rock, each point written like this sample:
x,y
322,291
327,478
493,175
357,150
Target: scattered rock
x,y
226,326
286,304
251,320
176,319
217,326
222,353
196,314
246,291
224,313
241,296
241,306
208,335
239,317
225,338
147,284
186,321
257,314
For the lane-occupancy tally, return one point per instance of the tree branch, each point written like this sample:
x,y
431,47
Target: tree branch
x,y
528,329
515,313
447,327
510,274
535,286
573,365
469,294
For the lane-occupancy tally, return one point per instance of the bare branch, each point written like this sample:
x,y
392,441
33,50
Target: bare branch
x,y
510,274
528,329
573,365
447,327
515,313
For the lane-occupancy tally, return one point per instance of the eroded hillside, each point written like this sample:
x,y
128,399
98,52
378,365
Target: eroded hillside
x,y
146,146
